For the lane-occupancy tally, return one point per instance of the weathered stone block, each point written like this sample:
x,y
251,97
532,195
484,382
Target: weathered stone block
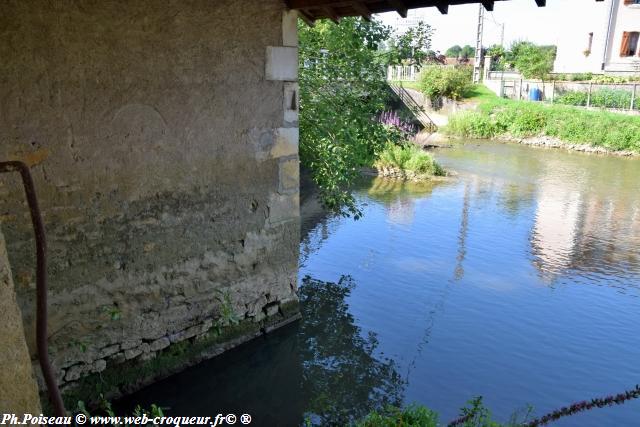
x,y
99,365
117,358
283,207
282,63
286,143
128,344
187,333
159,344
76,371
291,104
148,356
290,28
289,176
137,351
108,351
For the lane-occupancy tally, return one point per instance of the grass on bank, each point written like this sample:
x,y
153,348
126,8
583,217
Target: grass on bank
x,y
502,117
408,84
479,93
410,158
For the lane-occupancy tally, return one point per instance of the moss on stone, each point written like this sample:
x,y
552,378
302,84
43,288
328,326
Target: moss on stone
x,y
131,375
290,308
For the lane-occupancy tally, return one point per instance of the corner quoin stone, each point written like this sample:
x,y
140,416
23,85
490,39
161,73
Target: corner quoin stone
x,y
282,63
289,179
286,144
283,207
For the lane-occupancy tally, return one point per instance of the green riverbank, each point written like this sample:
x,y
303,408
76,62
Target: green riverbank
x,y
550,125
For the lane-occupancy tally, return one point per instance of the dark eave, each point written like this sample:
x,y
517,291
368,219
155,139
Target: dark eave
x,y
310,10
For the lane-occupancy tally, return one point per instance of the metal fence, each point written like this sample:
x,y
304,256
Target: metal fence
x,y
402,73
609,96
616,97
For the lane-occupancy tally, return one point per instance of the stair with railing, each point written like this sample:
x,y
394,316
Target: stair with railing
x,y
418,111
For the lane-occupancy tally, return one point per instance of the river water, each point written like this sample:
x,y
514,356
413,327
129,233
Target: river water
x,y
518,280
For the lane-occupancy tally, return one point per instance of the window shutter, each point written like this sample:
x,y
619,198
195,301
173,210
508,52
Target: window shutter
x,y
628,2
624,47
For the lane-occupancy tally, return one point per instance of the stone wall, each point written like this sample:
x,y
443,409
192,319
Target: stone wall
x,y
164,145
18,393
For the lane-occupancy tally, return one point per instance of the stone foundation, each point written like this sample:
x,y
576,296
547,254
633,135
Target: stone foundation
x,y
163,141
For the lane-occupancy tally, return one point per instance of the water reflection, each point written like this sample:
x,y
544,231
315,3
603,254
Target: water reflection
x,y
324,369
399,196
343,377
586,208
586,226
517,281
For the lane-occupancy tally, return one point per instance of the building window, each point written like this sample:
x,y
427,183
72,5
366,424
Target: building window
x,y
628,2
629,43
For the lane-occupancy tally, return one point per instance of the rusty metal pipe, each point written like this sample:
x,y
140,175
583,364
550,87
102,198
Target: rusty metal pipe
x,y
41,283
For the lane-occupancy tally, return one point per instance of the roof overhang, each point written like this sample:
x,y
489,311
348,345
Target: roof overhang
x,y
310,10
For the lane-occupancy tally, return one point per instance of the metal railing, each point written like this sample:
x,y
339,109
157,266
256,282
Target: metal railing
x,y
402,73
417,110
41,282
620,97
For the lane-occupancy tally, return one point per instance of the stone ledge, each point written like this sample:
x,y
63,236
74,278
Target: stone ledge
x,y
131,375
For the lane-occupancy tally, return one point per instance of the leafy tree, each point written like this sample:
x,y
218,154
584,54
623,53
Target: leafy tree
x,y
411,47
434,57
496,52
342,88
535,61
467,52
516,50
343,376
453,52
449,82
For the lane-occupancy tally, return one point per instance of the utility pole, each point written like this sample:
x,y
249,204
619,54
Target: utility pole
x,y
477,71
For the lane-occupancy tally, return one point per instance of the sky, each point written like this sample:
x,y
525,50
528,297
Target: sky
x,y
522,18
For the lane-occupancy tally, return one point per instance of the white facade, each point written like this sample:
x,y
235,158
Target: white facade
x,y
595,43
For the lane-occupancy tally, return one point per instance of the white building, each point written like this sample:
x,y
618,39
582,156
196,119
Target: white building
x,y
608,39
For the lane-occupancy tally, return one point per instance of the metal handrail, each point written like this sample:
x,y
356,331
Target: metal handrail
x,y
415,108
41,283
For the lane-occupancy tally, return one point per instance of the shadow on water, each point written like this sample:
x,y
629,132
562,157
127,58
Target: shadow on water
x,y
322,369
343,377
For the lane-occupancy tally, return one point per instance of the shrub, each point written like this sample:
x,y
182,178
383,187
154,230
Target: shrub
x,y
408,157
411,416
598,128
449,82
572,97
527,120
470,124
581,77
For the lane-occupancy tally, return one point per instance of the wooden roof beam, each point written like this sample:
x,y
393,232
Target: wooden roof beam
x,y
541,3
308,19
399,6
331,13
362,9
488,5
443,8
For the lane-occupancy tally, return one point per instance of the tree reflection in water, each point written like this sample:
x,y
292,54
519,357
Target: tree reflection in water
x,y
343,378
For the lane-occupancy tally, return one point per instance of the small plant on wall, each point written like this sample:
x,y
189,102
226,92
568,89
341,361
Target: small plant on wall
x,y
227,315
